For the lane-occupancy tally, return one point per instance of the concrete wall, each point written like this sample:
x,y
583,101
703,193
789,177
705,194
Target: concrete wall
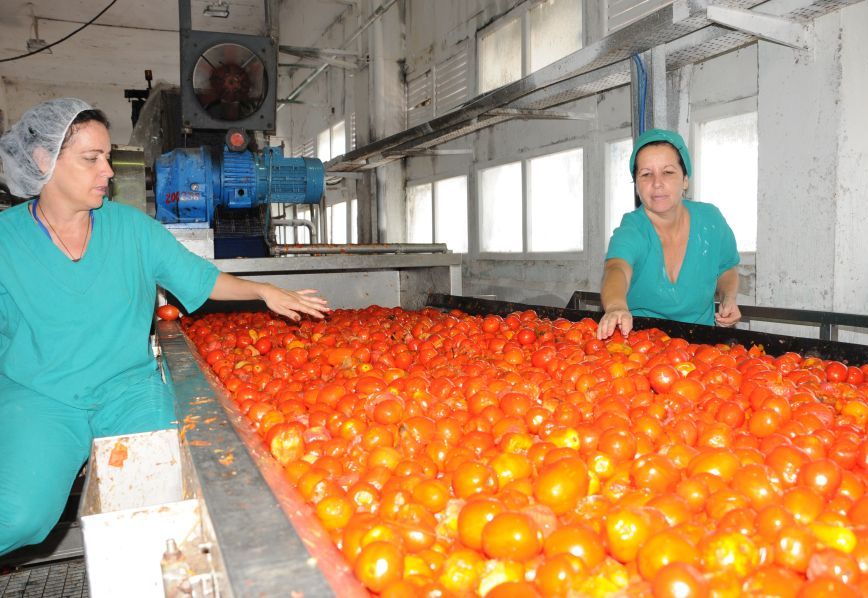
x,y
813,133
851,191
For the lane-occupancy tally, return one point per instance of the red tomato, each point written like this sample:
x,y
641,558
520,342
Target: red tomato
x,y
454,454
662,377
168,312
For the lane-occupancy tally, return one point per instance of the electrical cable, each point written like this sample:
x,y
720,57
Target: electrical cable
x,y
642,75
62,39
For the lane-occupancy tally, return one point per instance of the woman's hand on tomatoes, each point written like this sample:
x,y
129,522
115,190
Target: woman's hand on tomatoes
x,y
612,319
168,312
292,303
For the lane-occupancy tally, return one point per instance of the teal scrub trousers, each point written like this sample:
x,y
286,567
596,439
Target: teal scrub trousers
x,y
43,444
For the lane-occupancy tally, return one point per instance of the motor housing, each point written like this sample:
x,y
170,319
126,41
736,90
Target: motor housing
x,y
191,182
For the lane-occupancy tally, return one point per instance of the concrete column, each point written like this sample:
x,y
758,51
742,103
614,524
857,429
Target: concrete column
x,y
851,192
799,115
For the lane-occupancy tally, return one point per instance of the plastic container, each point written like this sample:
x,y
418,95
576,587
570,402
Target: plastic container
x,y
133,502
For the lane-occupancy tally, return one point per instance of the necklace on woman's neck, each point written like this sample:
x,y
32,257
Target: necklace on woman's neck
x,y
57,236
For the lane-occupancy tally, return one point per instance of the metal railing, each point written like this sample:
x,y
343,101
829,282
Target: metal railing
x,y
827,321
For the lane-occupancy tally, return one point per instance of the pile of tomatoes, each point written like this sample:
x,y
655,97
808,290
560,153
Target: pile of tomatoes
x,y
450,454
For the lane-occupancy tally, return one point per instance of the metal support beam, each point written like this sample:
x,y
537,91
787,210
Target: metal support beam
x,y
346,175
311,52
658,87
527,113
429,152
340,58
779,30
378,12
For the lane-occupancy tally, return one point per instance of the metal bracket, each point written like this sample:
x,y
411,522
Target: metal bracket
x,y
346,59
779,30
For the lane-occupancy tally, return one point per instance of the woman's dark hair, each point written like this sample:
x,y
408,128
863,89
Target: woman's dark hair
x,y
677,153
85,116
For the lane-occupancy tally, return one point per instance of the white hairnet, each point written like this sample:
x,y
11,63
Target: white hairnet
x,y
43,126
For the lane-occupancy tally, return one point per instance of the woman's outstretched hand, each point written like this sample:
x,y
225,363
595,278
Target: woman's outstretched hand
x,y
616,318
293,303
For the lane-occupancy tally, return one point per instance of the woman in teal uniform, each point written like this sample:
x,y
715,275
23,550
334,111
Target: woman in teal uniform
x,y
670,256
78,283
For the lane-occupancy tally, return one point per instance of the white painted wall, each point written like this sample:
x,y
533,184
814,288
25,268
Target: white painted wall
x,y
851,259
22,95
813,144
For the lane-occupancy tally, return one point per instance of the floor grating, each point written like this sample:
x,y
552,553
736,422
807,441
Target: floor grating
x,y
65,579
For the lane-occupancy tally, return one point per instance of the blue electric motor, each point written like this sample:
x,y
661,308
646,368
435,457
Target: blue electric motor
x,y
190,183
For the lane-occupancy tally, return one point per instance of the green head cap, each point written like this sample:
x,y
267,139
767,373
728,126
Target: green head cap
x,y
670,137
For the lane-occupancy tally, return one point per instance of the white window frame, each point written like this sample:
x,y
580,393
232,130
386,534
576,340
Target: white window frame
x,y
703,113
475,225
605,140
330,131
332,199
521,12
433,180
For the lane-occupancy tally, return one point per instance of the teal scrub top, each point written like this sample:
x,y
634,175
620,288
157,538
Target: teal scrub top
x,y
73,330
711,251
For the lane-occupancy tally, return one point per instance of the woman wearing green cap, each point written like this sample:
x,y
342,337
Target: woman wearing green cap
x,y
671,256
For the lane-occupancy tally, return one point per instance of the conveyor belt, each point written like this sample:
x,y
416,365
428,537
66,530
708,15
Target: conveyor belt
x,y
66,579
774,344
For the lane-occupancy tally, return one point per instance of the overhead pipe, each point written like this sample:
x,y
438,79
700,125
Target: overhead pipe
x,y
378,12
282,249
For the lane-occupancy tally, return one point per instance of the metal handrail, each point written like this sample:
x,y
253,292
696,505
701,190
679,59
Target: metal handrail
x,y
828,321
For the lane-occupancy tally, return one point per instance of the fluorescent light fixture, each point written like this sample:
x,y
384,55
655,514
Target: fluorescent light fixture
x,y
219,9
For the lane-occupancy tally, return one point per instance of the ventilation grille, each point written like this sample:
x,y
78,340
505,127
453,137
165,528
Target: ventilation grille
x,y
439,89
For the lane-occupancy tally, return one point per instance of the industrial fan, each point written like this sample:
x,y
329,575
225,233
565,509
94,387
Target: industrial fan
x,y
227,80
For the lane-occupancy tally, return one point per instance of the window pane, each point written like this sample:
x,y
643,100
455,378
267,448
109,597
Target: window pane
x,y
500,208
555,202
620,196
728,164
419,216
500,56
323,146
338,222
354,221
450,213
302,233
339,140
555,31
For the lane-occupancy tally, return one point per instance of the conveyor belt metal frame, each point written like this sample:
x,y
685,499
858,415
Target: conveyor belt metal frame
x,y
249,501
